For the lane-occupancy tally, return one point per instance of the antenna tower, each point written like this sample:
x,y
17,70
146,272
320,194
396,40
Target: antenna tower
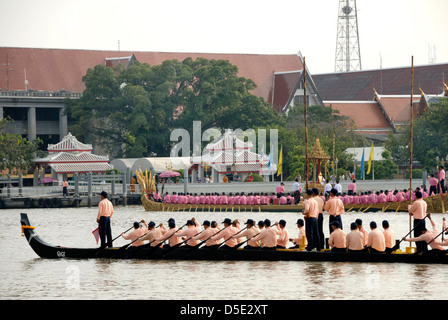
x,y
348,54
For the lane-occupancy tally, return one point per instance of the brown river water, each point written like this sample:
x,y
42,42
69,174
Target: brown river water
x,y
23,275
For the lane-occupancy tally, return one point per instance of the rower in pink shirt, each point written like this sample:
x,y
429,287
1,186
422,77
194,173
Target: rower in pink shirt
x,y
337,239
167,198
152,234
376,242
267,236
249,199
354,239
136,234
399,197
226,234
224,199
169,235
249,233
207,234
389,236
302,234
231,199
283,234
189,233
243,199
282,200
428,237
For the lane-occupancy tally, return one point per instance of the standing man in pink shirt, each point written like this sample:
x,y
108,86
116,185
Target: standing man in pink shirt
x,y
280,190
335,209
105,212
311,213
418,211
352,188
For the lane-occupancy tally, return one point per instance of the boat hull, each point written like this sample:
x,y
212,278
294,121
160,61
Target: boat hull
x,y
45,250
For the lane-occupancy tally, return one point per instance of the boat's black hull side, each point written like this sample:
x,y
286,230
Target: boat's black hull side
x,y
48,251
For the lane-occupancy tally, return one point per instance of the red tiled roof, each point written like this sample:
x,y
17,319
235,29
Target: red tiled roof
x,y
359,85
56,69
284,86
365,114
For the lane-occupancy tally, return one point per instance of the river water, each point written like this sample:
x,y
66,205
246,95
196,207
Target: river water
x,y
23,275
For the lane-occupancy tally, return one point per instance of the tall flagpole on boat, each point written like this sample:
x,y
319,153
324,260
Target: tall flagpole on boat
x,y
411,143
307,168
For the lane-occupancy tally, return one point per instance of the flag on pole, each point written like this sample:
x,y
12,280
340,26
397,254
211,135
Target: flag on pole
x,y
362,164
280,163
370,159
96,234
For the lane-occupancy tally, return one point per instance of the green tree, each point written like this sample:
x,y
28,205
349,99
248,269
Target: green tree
x,y
132,111
16,152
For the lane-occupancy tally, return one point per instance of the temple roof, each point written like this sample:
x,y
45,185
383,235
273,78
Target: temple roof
x,y
69,144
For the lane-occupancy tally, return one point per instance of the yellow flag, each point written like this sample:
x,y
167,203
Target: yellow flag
x,y
280,163
370,159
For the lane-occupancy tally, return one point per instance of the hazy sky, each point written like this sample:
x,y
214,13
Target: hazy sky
x,y
394,29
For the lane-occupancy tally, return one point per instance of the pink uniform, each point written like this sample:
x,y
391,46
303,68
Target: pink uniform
x,y
376,240
105,209
283,236
355,240
207,235
310,208
302,235
389,237
190,232
268,237
334,206
337,239
249,233
172,239
418,209
280,189
134,235
428,236
227,234
152,235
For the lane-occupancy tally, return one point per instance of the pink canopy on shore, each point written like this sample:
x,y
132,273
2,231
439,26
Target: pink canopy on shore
x,y
169,174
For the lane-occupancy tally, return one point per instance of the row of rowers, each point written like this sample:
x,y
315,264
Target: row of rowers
x,y
257,235
230,199
371,197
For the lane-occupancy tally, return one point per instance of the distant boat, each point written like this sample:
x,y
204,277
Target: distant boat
x,y
434,206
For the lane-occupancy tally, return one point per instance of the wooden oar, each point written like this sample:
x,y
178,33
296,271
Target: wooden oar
x,y
204,241
397,246
231,237
247,240
120,234
179,244
444,230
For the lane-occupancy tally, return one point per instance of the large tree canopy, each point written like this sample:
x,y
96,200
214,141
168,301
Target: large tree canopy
x,y
131,111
